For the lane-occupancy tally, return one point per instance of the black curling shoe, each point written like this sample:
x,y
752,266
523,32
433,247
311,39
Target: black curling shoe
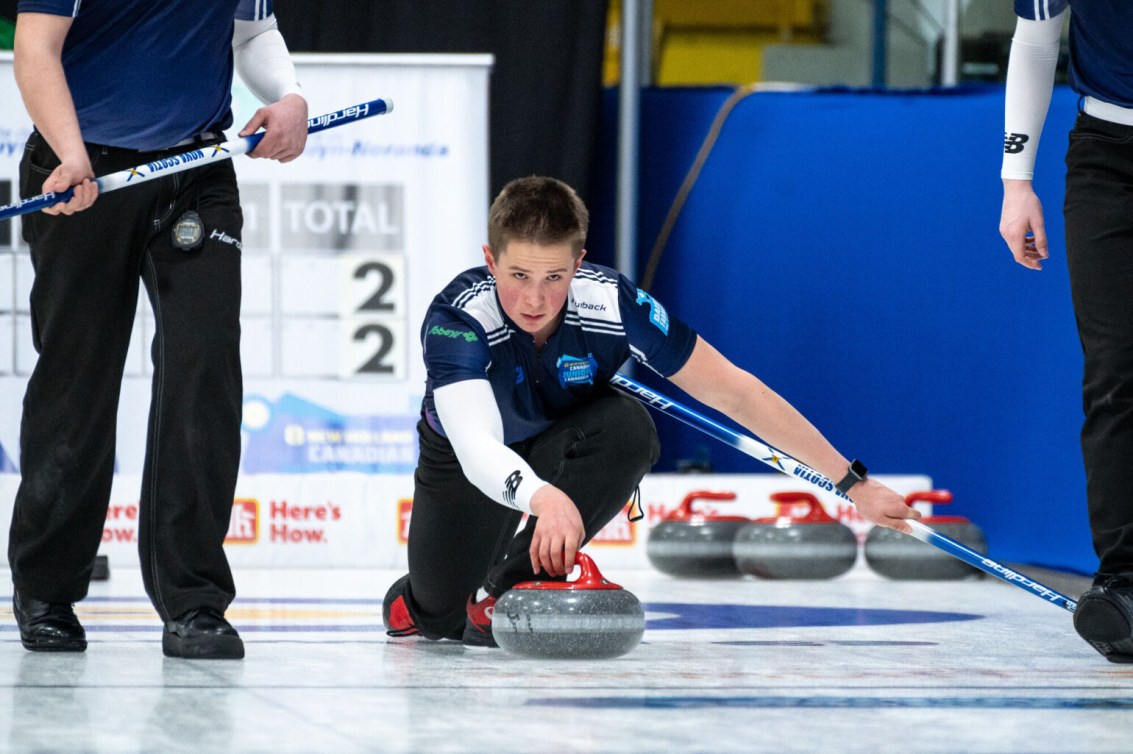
x,y
202,634
1104,618
48,626
478,625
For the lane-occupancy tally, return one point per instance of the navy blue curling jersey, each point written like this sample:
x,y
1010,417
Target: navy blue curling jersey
x,y
1101,55
607,319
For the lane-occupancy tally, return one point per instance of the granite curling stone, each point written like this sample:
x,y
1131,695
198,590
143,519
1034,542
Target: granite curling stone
x,y
693,544
587,619
900,556
807,545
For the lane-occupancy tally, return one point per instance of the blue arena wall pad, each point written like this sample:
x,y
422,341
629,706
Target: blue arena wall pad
x,y
843,245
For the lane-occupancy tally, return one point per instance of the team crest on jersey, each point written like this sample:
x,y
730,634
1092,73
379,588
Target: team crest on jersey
x,y
657,314
576,370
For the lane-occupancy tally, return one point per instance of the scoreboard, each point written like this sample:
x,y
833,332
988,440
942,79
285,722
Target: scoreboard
x,y
342,250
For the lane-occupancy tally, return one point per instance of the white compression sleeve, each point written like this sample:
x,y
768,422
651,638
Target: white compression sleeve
x,y
1030,83
263,61
473,424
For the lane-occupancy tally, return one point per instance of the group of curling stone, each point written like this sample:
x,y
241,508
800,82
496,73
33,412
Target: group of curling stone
x,y
802,542
593,618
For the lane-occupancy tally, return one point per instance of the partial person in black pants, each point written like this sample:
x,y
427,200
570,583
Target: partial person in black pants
x,y
109,86
518,416
1099,253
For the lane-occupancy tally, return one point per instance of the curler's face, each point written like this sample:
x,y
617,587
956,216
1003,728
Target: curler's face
x,y
532,282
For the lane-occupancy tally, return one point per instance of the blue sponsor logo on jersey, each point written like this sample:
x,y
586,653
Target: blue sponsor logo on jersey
x,y
576,370
657,314
519,375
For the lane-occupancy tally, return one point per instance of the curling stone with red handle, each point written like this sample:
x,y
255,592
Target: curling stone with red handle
x,y
900,556
807,545
589,618
691,543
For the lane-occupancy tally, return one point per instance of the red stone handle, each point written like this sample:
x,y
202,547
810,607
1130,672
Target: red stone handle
x,y
936,497
684,510
589,577
929,496
815,513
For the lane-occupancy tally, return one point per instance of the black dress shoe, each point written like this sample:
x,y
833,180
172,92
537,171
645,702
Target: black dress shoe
x,y
48,626
1104,618
101,570
202,634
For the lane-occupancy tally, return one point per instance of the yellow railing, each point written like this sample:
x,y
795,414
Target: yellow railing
x,y
716,41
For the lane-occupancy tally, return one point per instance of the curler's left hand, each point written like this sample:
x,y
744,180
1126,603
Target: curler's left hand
x,y
285,129
882,506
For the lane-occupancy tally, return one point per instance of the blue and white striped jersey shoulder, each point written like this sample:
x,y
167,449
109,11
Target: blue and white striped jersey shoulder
x,y
471,297
593,303
606,307
51,7
253,10
1040,10
1101,56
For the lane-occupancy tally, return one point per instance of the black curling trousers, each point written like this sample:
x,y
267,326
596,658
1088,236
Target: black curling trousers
x,y
1099,251
460,539
83,300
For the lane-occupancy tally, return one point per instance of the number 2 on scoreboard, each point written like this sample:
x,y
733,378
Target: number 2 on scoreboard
x,y
372,316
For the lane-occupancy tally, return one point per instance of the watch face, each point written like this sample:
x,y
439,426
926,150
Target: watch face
x,y
188,231
854,474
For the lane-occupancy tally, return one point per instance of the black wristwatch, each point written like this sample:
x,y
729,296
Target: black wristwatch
x,y
856,473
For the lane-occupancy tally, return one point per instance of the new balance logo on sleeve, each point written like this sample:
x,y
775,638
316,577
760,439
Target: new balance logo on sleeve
x,y
1013,143
511,486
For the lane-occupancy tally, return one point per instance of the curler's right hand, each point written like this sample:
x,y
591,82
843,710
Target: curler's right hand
x,y
558,532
